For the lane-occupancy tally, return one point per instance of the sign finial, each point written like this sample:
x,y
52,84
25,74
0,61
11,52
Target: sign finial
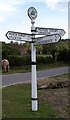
x,y
32,13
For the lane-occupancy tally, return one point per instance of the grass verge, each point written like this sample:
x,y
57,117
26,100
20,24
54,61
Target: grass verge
x,y
53,103
27,68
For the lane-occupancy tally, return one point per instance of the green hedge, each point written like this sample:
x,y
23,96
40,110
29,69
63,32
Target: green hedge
x,y
26,60
44,60
64,55
19,60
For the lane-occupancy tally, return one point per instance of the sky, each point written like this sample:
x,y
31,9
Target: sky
x,y
14,17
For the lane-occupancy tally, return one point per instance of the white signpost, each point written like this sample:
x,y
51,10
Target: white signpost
x,y
11,35
52,35
49,31
32,13
48,39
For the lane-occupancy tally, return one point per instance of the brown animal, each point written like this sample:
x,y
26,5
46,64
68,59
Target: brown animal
x,y
5,65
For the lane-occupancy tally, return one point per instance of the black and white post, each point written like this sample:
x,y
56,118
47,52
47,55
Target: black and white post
x,y
52,35
34,76
32,13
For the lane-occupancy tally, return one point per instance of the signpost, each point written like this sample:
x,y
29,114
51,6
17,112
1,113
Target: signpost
x,y
52,35
49,31
11,35
48,39
32,13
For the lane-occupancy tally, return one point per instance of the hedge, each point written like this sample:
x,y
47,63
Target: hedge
x,y
19,60
44,60
26,60
64,55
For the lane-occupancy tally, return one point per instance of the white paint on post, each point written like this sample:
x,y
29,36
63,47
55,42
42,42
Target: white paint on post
x,y
32,13
34,74
34,79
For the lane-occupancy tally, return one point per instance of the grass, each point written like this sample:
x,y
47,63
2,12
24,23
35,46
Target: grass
x,y
27,68
51,65
52,102
0,103
17,104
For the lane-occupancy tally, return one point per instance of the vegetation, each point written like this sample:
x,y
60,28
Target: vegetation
x,y
0,52
53,103
19,55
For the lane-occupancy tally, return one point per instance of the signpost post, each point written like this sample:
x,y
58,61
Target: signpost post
x,y
32,13
52,35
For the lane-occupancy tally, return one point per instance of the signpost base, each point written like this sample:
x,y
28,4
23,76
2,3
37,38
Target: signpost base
x,y
34,105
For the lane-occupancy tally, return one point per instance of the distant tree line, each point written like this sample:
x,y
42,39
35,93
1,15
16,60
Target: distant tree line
x,y
48,53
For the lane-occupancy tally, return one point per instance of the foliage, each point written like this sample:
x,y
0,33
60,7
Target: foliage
x,y
55,52
58,50
27,45
64,55
19,60
44,60
39,49
51,49
0,51
7,49
64,51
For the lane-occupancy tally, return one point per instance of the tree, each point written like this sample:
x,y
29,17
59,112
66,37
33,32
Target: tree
x,y
51,49
8,49
44,49
39,49
27,45
64,51
63,45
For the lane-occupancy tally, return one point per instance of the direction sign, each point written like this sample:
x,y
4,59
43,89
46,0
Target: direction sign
x,y
49,31
48,39
11,35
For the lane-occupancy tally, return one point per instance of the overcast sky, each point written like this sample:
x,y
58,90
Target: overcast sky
x,y
14,17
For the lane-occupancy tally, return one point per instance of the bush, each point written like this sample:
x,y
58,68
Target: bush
x,y
49,59
44,60
15,60
18,60
64,55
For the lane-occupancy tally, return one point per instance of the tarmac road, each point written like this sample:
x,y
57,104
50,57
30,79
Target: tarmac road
x,y
11,79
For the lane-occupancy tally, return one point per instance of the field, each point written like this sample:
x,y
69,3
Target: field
x,y
52,103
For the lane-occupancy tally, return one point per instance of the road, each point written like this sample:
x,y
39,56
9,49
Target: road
x,y
11,79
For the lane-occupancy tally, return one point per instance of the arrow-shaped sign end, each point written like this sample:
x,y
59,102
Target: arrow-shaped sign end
x,y
7,34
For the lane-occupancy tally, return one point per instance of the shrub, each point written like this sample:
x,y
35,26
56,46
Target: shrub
x,y
44,60
18,60
64,55
26,60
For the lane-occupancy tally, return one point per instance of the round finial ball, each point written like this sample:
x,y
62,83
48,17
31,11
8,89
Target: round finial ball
x,y
32,13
